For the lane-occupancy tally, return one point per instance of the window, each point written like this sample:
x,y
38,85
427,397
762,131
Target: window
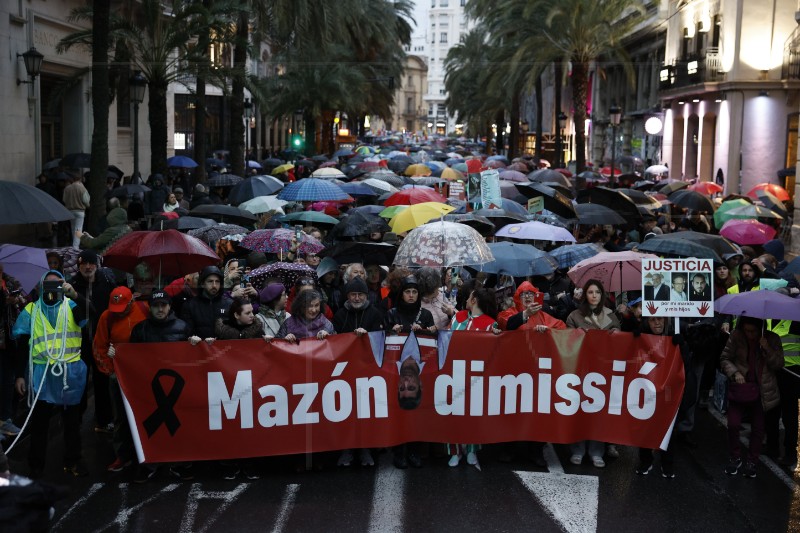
x,y
433,3
443,3
430,110
463,3
409,105
443,38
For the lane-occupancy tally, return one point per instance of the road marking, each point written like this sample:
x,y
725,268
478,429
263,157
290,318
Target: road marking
x,y
94,488
124,515
553,464
766,461
286,507
388,497
193,501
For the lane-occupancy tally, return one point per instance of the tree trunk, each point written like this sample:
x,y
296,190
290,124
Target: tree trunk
x,y
558,75
579,88
513,139
100,102
327,142
500,120
237,95
157,117
200,148
539,126
309,144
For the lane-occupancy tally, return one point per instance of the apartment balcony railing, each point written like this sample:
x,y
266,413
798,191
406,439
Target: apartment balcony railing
x,y
691,71
791,56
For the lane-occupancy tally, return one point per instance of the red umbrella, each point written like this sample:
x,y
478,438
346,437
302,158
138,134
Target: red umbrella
x,y
606,171
772,188
414,196
747,232
706,187
564,171
167,252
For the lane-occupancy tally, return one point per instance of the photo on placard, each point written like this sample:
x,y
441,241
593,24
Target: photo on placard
x,y
700,288
678,287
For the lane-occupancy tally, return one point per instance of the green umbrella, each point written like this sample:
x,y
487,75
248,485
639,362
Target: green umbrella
x,y
751,212
391,211
720,215
310,216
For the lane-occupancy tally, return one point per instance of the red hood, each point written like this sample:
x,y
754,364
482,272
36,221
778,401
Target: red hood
x,y
525,286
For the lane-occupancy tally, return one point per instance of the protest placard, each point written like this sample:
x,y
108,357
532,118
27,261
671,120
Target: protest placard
x,y
677,287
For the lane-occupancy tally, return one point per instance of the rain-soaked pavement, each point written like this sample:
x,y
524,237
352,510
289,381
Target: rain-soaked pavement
x,y
500,497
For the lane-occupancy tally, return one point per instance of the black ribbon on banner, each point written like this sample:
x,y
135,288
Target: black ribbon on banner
x,y
165,403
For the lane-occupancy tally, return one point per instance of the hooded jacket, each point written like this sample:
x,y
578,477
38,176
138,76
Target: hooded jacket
x,y
513,316
202,311
117,220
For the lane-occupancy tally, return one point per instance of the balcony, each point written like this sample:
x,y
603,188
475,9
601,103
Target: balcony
x,y
691,71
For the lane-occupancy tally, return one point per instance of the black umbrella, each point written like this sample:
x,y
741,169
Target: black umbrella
x,y
499,217
320,158
116,170
184,223
25,204
211,234
224,180
613,199
716,243
546,175
271,162
590,176
403,158
673,186
664,245
129,189
359,223
481,224
640,198
223,213
361,252
772,202
554,201
76,160
692,200
252,187
598,214
398,166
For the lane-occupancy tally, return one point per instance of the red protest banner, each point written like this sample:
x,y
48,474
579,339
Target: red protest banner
x,y
249,398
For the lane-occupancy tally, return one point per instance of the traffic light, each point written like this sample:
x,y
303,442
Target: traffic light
x,y
297,142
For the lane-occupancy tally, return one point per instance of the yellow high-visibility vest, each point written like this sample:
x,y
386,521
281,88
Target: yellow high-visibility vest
x,y
790,341
46,338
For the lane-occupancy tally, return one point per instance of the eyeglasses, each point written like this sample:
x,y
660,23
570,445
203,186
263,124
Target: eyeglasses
x,y
306,281
528,294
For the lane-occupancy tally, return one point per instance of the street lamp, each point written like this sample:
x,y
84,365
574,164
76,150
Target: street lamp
x,y
33,64
248,114
614,115
137,84
562,123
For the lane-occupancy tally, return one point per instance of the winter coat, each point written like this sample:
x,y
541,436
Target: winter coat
x,y
117,220
303,329
271,321
347,319
229,329
396,315
169,330
201,313
768,362
577,319
434,305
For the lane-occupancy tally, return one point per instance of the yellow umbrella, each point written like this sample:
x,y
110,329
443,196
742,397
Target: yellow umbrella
x,y
282,168
451,174
417,215
418,170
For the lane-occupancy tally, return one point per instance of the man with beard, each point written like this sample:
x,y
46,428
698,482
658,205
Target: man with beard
x,y
202,311
749,279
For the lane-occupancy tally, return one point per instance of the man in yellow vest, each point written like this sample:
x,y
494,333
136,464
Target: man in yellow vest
x,y
749,280
49,330
789,387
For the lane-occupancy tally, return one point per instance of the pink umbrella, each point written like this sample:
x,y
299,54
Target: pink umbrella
x,y
617,271
747,231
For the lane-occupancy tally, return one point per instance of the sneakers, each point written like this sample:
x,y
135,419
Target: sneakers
x,y
612,452
576,459
454,460
229,471
667,471
144,474
365,456
108,429
345,458
598,462
78,469
182,472
8,428
118,465
251,474
472,458
733,466
749,469
643,469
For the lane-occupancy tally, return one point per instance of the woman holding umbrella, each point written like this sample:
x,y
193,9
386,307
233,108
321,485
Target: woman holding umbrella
x,y
592,313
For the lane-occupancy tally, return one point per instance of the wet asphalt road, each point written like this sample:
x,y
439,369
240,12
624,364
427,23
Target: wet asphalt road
x,y
502,497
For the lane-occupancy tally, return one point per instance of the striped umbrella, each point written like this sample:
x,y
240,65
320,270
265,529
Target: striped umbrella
x,y
570,255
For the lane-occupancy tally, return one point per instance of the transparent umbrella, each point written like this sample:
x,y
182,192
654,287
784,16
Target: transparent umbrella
x,y
443,244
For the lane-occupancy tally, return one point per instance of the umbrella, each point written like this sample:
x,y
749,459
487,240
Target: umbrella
x,y
747,231
657,170
499,217
391,211
214,162
617,271
127,190
611,198
759,304
359,223
254,187
379,185
181,161
184,223
76,160
328,173
253,164
518,260
641,198
24,204
749,211
606,171
69,259
223,180
211,234
793,267
514,175
167,252
343,152
673,186
430,181
721,214
358,189
548,175
418,170
280,169
495,164
483,225
776,190
451,174
223,213
772,202
312,190
389,177
54,163
554,201
443,244
359,252
706,187
279,240
371,209
598,214
692,200
286,273
569,255
592,177
417,215
414,196
264,204
669,245
311,217
273,162
27,265
535,231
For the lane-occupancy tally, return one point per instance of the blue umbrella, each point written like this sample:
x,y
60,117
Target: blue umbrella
x,y
181,161
27,265
344,152
253,164
312,190
570,255
314,217
254,187
510,206
519,260
793,267
357,189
